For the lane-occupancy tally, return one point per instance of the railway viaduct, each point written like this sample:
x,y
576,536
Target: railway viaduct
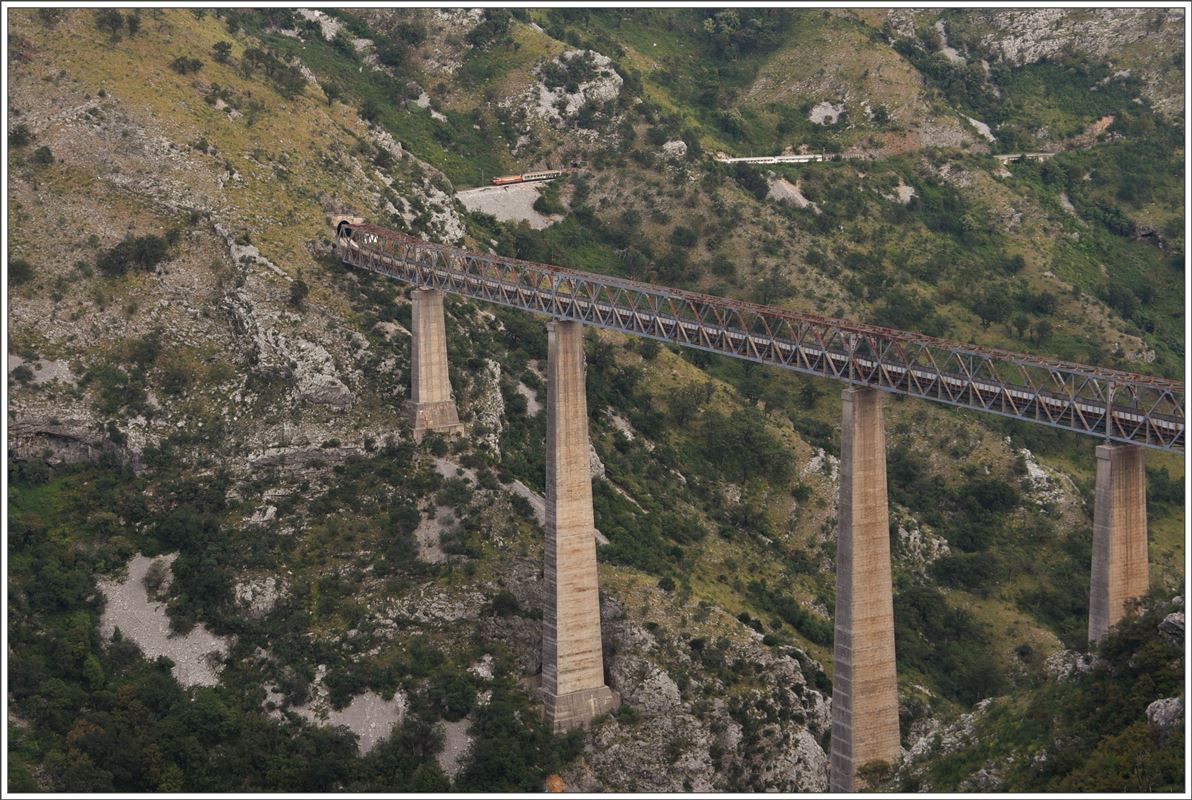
x,y
1127,412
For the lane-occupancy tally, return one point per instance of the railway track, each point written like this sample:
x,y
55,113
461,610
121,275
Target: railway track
x,y
1110,404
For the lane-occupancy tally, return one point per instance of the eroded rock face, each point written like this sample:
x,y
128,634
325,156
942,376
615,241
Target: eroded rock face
x,y
644,685
937,739
675,150
798,760
258,596
65,441
1172,627
690,737
1166,714
595,465
559,106
1025,36
919,548
313,370
1064,665
825,113
490,407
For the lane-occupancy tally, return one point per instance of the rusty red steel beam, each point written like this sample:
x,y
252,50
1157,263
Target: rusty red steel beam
x,y
1111,404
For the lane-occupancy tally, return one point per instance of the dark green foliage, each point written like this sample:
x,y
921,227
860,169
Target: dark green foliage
x,y
494,29
742,448
972,572
221,52
547,201
650,542
1162,489
110,20
43,156
452,692
683,236
1092,726
287,80
569,73
19,136
907,310
49,16
19,271
298,292
184,66
989,495
741,31
504,604
22,374
750,179
945,643
509,752
141,252
370,111
406,760
815,628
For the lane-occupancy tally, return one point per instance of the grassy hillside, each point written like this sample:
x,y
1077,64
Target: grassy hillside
x,y
1090,730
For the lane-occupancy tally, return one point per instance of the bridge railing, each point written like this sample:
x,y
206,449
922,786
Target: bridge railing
x,y
1110,404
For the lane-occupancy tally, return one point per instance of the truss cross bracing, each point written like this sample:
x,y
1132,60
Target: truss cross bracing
x,y
1109,404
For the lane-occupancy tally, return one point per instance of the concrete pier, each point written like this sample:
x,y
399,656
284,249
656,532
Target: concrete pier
x,y
573,686
864,680
431,406
1119,536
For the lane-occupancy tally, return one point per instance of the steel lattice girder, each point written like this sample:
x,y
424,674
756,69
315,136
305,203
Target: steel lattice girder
x,y
1109,404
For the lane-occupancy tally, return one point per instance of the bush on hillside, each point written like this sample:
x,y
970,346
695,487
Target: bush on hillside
x,y
184,66
141,252
19,271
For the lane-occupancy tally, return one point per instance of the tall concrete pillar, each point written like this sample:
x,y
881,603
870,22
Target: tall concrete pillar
x,y
572,659
431,406
1119,536
864,681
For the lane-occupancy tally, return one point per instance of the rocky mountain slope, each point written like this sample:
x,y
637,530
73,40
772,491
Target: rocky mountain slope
x,y
194,378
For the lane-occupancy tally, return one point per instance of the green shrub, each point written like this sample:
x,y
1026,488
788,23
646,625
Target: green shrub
x,y
43,156
452,693
110,20
19,271
742,448
683,236
19,136
184,66
504,604
298,292
22,374
548,201
142,252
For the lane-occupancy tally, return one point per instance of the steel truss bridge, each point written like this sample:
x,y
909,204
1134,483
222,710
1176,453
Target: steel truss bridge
x,y
1109,404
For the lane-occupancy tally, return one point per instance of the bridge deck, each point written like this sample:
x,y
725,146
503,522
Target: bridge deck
x,y
1108,404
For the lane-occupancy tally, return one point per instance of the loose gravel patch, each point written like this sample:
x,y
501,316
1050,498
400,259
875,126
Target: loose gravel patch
x,y
507,203
195,655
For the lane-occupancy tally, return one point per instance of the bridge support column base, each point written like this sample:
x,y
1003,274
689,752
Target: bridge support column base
x,y
864,680
440,417
578,709
1120,566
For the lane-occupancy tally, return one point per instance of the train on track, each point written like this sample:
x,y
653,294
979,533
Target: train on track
x,y
545,175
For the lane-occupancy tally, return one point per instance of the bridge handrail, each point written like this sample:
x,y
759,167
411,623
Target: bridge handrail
x,y
1158,400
